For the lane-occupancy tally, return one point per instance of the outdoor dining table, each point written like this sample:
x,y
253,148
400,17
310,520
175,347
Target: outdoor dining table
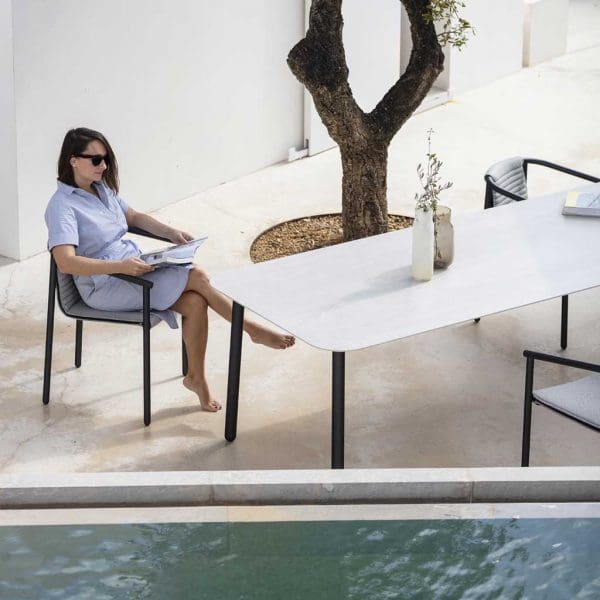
x,y
361,293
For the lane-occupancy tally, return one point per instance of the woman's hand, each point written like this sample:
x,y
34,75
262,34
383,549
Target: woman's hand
x,y
180,237
134,266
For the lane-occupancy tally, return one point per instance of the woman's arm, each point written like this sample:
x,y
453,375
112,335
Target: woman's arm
x,y
150,224
71,264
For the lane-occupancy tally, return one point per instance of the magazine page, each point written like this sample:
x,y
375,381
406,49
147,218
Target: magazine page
x,y
178,254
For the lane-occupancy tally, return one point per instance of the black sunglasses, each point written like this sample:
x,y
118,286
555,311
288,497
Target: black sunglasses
x,y
95,158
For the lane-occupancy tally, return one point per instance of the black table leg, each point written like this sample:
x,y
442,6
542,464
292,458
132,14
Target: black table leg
x,y
337,411
233,380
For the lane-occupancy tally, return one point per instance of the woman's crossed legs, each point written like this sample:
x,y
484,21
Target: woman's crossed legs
x,y
193,303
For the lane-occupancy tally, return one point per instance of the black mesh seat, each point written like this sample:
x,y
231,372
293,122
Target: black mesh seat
x,y
72,306
506,182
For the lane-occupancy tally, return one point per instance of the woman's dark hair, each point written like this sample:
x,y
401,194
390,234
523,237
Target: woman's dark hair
x,y
75,143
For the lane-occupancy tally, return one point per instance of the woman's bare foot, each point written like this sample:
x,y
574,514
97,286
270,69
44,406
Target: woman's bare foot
x,y
272,339
200,388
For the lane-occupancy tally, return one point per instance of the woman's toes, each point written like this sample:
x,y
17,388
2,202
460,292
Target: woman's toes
x,y
211,406
272,339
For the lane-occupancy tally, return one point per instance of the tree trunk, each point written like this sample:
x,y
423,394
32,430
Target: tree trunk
x,y
319,62
364,189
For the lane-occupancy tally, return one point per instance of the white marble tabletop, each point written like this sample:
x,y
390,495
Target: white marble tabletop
x,y
361,293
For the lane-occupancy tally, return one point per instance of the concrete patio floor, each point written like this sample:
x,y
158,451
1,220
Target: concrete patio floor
x,y
450,398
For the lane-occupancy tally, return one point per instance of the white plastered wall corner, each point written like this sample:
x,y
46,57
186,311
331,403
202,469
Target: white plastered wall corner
x,y
9,207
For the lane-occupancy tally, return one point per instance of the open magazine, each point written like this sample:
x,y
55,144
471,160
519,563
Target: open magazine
x,y
181,254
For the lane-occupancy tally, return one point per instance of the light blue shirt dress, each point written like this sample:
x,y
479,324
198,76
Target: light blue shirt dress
x,y
96,226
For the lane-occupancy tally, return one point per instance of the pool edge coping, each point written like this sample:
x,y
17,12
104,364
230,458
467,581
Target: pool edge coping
x,y
301,487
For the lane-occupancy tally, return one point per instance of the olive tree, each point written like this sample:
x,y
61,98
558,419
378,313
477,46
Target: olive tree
x,y
319,62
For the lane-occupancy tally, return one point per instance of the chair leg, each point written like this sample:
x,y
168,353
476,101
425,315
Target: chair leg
x,y
146,326
528,401
184,359
49,333
78,336
564,322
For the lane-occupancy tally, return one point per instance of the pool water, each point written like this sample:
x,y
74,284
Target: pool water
x,y
496,558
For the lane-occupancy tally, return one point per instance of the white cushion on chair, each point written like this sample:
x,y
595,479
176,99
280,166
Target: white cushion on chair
x,y
580,399
509,175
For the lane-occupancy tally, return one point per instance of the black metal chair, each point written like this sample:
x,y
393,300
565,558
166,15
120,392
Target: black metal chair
x,y
578,400
506,182
72,306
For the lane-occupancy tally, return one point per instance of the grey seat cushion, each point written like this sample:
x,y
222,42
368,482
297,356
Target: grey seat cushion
x,y
509,175
579,399
73,306
83,311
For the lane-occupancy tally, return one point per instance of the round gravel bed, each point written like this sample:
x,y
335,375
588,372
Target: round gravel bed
x,y
307,233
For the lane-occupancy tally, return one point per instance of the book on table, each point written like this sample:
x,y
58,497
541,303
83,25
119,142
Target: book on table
x,y
180,254
586,204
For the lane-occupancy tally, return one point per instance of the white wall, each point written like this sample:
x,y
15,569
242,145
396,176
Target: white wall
x,y
493,52
496,48
545,30
191,93
9,214
372,44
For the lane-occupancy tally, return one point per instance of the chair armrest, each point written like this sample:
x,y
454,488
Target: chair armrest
x,y
550,165
146,287
138,231
136,280
560,360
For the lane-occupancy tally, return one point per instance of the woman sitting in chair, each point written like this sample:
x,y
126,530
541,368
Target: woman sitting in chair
x,y
86,222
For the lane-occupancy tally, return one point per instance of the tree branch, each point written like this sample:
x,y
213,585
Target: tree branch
x,y
319,62
425,64
318,58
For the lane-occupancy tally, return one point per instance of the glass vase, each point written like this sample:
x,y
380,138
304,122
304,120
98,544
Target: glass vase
x,y
444,238
422,245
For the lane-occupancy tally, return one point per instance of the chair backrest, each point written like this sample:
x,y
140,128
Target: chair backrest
x,y
68,294
509,175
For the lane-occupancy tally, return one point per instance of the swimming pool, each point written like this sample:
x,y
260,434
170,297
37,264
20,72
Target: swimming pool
x,y
376,533
269,553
